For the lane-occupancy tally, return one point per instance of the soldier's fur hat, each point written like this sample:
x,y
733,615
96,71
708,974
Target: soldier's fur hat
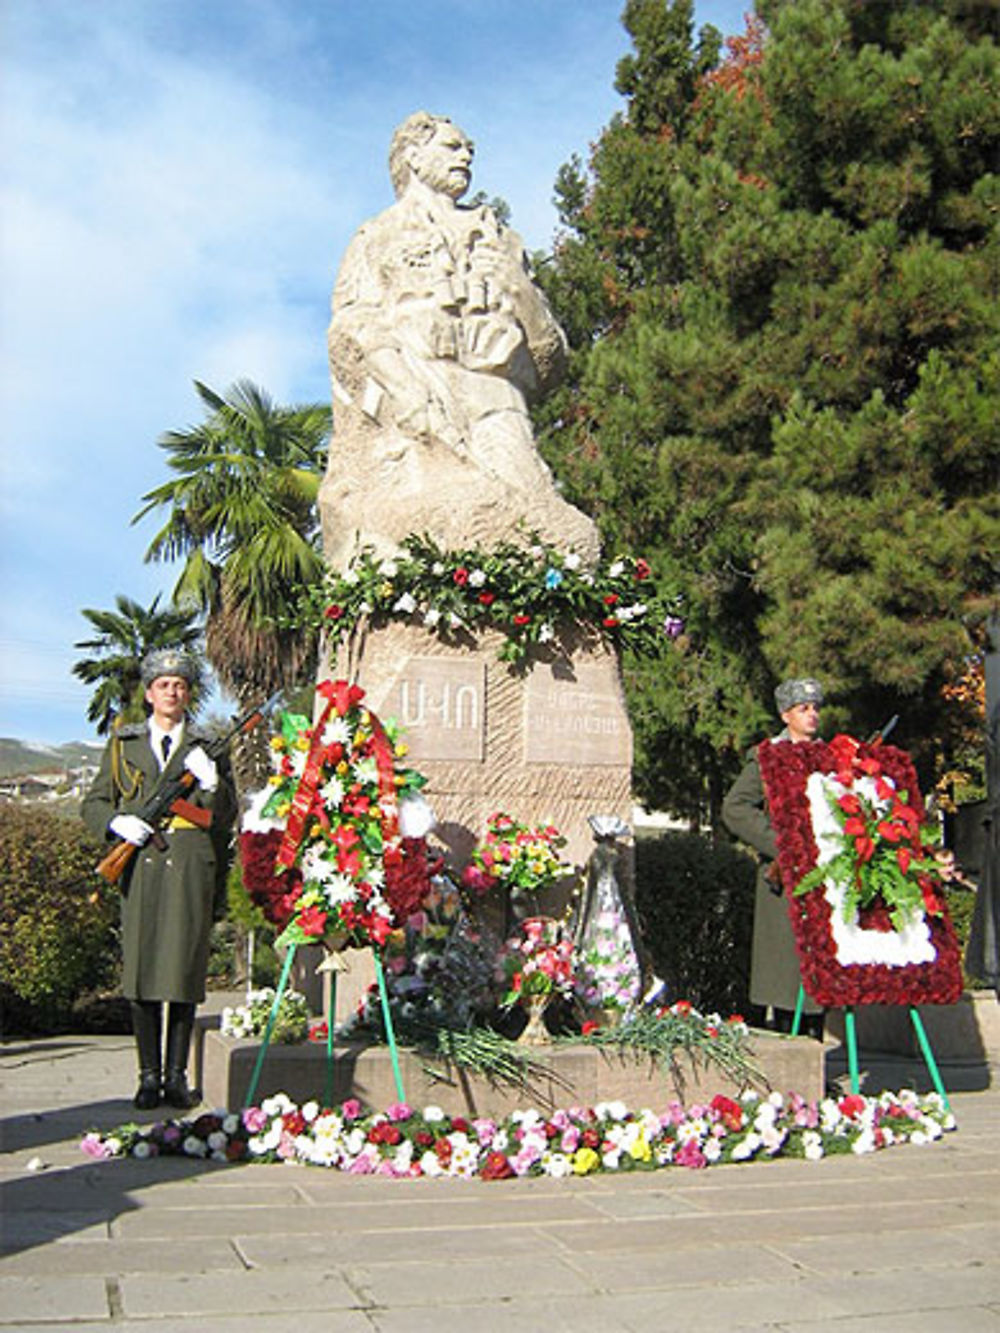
x,y
169,662
799,690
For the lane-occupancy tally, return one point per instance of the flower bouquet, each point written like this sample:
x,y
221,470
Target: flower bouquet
x,y
323,842
438,971
522,860
251,1019
536,965
856,864
607,971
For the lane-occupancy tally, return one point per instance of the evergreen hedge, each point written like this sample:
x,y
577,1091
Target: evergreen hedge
x,y
58,919
695,901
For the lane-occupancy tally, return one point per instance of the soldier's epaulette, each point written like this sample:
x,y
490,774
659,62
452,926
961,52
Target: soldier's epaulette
x,y
131,730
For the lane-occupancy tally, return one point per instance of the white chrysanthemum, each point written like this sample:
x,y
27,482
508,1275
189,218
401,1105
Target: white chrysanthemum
x,y
141,1149
332,792
477,578
339,888
366,770
388,568
572,561
194,1147
316,867
433,1114
546,634
431,617
336,732
616,569
406,604
712,1150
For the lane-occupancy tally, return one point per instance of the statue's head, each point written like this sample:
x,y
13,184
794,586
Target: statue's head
x,y
433,149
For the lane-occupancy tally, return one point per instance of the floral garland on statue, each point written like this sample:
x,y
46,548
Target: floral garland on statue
x,y
855,861
579,1141
527,592
322,849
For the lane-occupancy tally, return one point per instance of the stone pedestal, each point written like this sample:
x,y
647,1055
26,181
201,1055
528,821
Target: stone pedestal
x,y
548,743
568,1076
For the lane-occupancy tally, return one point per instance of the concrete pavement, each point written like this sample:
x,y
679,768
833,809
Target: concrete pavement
x,y
905,1239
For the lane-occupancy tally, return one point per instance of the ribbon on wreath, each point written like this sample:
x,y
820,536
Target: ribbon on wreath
x,y
339,697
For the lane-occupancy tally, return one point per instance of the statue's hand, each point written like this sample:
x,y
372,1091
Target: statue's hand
x,y
489,341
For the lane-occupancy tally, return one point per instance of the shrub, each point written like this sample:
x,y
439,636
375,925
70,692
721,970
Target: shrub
x,y
695,901
58,919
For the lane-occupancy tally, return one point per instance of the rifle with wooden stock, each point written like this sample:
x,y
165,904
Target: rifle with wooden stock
x,y
169,799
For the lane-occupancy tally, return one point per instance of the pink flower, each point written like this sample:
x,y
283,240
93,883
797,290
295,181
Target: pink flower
x,y
254,1119
93,1146
398,1111
689,1154
351,1109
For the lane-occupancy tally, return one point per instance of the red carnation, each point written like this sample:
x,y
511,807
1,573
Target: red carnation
x,y
461,576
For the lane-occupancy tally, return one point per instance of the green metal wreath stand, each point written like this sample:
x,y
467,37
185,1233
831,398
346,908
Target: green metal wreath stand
x,y
330,1023
852,1044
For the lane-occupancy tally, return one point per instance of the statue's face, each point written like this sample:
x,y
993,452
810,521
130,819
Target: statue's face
x,y
444,162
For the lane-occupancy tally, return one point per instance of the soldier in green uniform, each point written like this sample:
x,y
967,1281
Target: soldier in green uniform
x,y
774,964
167,895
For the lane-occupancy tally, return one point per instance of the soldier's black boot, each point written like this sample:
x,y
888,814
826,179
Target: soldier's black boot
x,y
146,1024
180,1022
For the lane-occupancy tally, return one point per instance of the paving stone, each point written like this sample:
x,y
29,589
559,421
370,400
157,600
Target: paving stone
x,y
28,1299
429,1282
255,1292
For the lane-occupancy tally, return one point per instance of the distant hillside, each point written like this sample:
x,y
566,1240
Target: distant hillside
x,y
20,757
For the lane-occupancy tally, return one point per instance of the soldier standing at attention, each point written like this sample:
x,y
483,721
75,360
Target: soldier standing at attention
x,y
168,893
774,966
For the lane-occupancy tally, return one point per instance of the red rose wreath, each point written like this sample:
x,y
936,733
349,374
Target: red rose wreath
x,y
871,925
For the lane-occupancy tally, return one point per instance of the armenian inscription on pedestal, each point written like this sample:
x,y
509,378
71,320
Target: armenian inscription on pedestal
x,y
440,703
579,720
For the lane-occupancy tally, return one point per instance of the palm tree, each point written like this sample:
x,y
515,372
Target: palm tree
x,y
123,638
243,517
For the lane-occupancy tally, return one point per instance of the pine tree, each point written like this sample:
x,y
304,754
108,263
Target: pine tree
x,y
779,278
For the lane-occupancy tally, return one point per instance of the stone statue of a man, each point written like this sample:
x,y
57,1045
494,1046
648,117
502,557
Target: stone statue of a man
x,y
438,342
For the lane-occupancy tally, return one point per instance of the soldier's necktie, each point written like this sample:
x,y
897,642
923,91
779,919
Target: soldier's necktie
x,y
165,745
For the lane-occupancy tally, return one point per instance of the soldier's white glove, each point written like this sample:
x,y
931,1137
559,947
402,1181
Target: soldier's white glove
x,y
197,763
130,828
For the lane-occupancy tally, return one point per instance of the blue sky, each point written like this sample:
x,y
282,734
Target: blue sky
x,y
178,182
